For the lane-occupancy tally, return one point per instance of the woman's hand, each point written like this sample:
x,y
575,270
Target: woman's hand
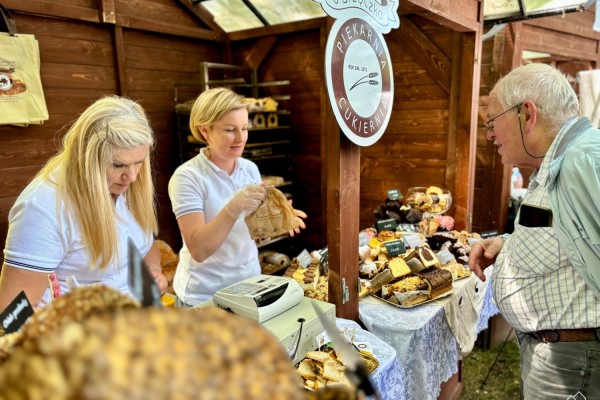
x,y
298,219
245,201
160,279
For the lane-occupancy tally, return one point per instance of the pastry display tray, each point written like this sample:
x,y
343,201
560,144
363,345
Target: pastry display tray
x,y
448,293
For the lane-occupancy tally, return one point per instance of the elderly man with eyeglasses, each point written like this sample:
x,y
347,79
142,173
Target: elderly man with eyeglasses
x,y
546,279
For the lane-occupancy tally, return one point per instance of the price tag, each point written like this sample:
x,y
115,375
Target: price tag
x,y
363,239
141,283
304,258
412,240
472,241
364,346
409,227
445,256
325,259
394,194
395,247
488,234
17,312
386,225
322,339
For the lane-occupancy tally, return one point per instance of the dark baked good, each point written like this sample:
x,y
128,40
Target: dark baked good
x,y
414,216
379,212
439,281
438,239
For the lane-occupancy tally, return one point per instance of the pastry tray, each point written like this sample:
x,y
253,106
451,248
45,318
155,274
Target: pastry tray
x,y
448,293
463,277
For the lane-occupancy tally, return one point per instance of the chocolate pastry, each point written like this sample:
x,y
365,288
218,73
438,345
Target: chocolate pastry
x,y
414,216
438,280
379,212
392,205
438,239
394,215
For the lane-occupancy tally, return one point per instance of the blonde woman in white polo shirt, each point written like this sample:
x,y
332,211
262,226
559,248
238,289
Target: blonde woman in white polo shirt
x,y
75,217
210,194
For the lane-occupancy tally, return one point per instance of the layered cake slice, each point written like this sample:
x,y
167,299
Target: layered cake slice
x,y
439,281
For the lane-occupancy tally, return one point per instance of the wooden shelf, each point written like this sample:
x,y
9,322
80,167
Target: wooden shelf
x,y
271,241
262,84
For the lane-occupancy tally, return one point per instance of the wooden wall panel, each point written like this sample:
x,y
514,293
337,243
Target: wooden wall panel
x,y
78,67
412,151
155,64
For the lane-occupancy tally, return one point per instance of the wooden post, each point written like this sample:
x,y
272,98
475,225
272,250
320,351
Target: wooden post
x,y
341,165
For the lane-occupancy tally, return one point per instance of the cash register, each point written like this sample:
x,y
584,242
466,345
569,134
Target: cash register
x,y
260,297
278,303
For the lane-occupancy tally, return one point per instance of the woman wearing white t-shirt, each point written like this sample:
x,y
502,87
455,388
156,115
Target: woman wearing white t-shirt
x,y
75,217
210,194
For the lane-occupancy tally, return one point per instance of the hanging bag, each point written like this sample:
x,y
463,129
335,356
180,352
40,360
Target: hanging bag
x,y
21,95
275,216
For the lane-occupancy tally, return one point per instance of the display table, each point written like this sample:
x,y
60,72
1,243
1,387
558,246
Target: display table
x,y
424,341
386,377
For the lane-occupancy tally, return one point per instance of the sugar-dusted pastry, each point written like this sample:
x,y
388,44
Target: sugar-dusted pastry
x,y
367,269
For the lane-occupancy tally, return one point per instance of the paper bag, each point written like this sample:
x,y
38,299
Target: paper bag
x,y
274,217
21,95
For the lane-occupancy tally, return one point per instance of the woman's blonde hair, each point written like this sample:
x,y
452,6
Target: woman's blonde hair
x,y
211,106
79,171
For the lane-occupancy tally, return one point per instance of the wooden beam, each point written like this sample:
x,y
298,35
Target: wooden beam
x,y
61,10
120,62
167,28
205,16
108,11
54,9
458,15
453,115
324,107
342,185
424,51
468,70
259,52
279,29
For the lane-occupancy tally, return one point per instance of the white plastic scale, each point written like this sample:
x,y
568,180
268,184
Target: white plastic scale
x,y
260,298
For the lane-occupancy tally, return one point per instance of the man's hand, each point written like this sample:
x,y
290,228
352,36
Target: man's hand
x,y
483,254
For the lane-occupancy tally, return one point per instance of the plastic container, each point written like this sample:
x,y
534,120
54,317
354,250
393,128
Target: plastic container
x,y
516,178
516,184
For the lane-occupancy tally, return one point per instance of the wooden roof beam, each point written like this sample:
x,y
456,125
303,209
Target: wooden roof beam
x,y
314,23
458,15
424,51
205,16
259,52
62,10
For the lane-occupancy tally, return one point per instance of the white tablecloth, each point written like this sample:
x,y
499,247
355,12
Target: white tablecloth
x,y
386,377
424,342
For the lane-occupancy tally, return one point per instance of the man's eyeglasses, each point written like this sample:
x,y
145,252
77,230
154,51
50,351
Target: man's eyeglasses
x,y
489,124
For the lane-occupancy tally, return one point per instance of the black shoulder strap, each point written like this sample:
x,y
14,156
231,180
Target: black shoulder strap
x,y
7,23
